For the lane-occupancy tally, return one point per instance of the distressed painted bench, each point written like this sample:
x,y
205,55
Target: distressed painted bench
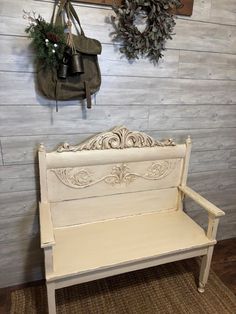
x,y
113,204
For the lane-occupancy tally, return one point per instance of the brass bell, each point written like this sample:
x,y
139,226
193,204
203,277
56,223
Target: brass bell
x,y
77,63
62,71
67,52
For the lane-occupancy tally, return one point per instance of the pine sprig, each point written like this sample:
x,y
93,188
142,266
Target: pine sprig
x,y
48,39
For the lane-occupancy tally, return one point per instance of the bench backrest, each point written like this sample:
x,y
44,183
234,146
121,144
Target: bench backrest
x,y
113,174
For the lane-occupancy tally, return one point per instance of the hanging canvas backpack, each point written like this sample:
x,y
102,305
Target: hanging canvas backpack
x,y
78,76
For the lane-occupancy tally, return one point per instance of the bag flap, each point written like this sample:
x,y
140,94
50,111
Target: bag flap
x,y
87,45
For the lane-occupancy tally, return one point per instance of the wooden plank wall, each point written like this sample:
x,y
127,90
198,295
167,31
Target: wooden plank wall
x,y
191,91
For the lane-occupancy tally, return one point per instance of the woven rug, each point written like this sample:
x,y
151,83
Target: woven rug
x,y
169,288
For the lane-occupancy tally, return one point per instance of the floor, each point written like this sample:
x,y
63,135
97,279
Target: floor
x,y
223,263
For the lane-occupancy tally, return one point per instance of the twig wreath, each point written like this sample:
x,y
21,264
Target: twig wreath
x,y
159,27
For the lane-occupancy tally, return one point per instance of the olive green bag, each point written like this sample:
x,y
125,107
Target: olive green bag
x,y
72,87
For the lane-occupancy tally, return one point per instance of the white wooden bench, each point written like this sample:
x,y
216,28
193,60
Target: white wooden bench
x,y
113,204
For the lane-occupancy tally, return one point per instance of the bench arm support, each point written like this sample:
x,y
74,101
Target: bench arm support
x,y
208,206
213,211
46,226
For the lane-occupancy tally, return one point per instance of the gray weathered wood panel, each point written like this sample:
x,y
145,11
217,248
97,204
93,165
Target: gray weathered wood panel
x,y
18,228
223,11
201,36
19,250
201,10
203,139
16,277
1,156
21,203
21,261
207,65
210,160
69,120
216,11
20,184
21,150
152,91
16,54
213,180
45,120
233,158
18,150
227,223
175,64
219,11
18,171
116,90
111,61
18,178
95,20
191,117
225,199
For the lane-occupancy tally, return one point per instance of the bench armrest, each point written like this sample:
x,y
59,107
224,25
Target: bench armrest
x,y
211,208
46,226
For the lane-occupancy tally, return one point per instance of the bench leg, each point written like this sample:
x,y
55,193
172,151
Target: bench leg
x,y
51,298
205,269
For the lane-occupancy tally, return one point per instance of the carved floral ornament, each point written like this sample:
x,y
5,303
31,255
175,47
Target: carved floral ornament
x,y
117,138
120,174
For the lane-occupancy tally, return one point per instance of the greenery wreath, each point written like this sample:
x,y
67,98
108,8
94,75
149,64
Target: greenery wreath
x,y
159,27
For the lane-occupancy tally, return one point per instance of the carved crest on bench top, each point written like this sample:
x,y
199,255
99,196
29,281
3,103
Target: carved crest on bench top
x,y
120,174
117,138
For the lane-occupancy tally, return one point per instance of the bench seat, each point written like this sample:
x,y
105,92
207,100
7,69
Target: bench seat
x,y
88,247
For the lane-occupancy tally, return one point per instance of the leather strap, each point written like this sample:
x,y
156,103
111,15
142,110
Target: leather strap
x,y
57,17
56,94
54,12
88,95
70,11
75,15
